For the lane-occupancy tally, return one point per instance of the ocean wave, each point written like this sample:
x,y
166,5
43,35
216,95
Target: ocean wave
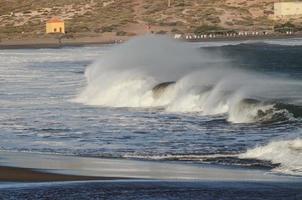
x,y
288,154
251,110
285,42
282,157
160,72
275,42
279,42
272,42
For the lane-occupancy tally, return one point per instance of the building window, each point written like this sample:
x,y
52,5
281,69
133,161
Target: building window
x,y
60,29
54,30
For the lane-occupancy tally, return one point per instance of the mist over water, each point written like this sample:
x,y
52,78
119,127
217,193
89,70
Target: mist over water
x,y
206,83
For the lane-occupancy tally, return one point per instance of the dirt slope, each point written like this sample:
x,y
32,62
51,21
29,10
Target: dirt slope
x,y
130,17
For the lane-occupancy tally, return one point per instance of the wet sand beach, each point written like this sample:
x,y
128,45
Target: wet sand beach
x,y
66,177
16,174
47,167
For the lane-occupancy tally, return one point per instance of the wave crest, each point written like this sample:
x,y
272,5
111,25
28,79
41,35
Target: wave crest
x,y
136,74
286,153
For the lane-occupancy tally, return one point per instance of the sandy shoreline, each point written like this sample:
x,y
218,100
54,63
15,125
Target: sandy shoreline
x,y
52,42
52,45
33,167
42,176
96,41
17,174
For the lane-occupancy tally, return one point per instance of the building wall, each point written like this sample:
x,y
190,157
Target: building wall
x,y
57,27
286,9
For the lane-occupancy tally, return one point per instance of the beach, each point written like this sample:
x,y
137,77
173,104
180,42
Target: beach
x,y
56,177
52,42
81,168
16,174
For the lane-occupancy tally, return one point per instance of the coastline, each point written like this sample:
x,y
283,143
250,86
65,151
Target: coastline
x,y
96,41
40,176
52,42
33,167
19,174
51,45
248,38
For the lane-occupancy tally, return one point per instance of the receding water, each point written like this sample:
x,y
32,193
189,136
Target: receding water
x,y
232,104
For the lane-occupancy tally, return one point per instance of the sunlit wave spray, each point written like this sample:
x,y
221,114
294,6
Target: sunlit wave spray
x,y
156,71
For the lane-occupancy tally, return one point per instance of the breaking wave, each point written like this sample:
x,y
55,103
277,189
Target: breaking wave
x,y
285,42
288,154
282,157
154,71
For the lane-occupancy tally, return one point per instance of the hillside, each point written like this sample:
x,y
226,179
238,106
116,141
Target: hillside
x,y
131,17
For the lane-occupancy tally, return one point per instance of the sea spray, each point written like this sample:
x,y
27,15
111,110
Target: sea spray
x,y
129,72
204,82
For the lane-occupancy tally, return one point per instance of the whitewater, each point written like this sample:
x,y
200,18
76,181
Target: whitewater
x,y
127,75
226,104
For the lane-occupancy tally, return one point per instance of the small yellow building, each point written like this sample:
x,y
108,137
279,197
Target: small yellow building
x,y
55,25
287,9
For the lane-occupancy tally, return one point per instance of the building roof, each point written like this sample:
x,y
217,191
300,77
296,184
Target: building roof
x,y
55,20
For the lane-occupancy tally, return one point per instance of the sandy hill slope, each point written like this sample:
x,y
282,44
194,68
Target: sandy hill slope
x,y
129,17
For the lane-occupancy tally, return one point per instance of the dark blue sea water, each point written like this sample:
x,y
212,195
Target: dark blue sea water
x,y
153,190
233,104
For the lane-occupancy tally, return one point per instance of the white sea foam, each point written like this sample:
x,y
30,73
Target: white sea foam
x,y
192,157
282,42
287,153
205,83
285,42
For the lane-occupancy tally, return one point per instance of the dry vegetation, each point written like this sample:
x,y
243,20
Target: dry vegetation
x,y
122,17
